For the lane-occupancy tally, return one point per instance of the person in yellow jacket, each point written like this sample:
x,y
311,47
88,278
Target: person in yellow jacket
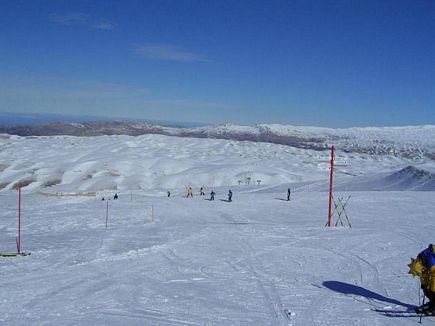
x,y
424,267
189,192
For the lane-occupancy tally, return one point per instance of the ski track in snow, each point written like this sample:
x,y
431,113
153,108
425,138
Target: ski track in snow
x,y
277,259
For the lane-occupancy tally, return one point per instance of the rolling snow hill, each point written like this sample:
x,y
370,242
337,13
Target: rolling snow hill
x,y
161,162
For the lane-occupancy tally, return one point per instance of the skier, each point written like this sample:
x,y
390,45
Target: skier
x,y
116,196
230,195
201,191
424,267
169,194
189,192
288,194
212,195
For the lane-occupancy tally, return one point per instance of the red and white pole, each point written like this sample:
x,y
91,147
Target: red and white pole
x,y
19,219
331,176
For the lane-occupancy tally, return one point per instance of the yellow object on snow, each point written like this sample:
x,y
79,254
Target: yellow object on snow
x,y
427,276
431,279
416,268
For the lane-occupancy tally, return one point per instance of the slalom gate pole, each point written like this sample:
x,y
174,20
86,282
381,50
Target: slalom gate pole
x,y
107,211
331,176
19,219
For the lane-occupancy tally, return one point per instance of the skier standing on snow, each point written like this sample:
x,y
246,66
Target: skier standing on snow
x,y
424,267
169,193
288,194
212,195
230,195
201,191
189,192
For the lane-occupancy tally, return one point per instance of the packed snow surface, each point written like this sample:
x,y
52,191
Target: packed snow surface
x,y
149,259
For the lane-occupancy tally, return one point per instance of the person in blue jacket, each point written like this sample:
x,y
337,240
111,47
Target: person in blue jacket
x,y
230,195
424,267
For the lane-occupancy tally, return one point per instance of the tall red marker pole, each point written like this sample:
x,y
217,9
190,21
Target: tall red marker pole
x,y
331,176
19,219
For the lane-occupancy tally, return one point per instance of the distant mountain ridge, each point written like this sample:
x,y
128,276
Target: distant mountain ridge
x,y
411,142
227,131
13,119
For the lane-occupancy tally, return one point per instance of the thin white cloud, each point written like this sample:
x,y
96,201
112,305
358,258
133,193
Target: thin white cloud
x,y
71,18
103,26
170,53
79,19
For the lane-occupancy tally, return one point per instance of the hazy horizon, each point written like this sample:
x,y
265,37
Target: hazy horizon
x,y
21,118
10,119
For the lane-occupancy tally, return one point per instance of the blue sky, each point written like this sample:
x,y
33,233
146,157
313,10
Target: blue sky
x,y
324,63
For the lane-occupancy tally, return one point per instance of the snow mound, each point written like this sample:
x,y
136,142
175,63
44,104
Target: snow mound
x,y
409,178
412,178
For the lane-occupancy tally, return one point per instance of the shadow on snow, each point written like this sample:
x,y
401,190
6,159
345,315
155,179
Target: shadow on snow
x,y
346,288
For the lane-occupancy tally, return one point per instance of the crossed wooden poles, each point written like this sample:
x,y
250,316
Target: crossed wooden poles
x,y
340,208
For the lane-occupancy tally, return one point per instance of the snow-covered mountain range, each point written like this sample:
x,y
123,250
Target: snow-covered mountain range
x,y
411,141
140,156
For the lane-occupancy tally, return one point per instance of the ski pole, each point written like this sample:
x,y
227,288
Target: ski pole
x,y
421,314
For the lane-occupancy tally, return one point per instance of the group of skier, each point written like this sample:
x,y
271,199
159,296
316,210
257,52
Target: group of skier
x,y
212,193
202,193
